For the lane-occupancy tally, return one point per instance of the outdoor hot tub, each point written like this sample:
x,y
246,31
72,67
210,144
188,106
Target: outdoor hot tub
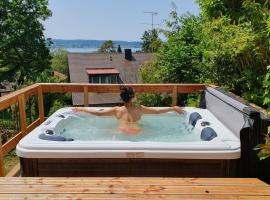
x,y
197,143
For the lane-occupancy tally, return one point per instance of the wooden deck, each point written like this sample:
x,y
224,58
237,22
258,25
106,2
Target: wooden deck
x,y
132,188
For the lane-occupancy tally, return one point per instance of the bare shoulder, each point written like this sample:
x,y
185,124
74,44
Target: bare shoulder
x,y
142,107
119,109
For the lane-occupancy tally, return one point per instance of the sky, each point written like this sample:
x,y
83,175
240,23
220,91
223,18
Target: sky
x,y
109,19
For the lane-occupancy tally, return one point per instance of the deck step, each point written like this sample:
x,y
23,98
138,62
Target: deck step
x,y
132,188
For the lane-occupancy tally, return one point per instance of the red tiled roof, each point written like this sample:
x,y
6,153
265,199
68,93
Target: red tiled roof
x,y
102,71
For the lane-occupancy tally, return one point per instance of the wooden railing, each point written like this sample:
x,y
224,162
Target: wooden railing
x,y
40,88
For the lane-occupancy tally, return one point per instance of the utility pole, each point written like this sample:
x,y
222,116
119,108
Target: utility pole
x,y
152,13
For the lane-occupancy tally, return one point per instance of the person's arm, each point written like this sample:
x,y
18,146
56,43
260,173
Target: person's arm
x,y
105,112
147,110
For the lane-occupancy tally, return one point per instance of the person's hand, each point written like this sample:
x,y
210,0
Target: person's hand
x,y
77,109
178,109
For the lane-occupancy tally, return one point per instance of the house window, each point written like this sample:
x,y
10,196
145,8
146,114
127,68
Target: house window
x,y
104,75
104,78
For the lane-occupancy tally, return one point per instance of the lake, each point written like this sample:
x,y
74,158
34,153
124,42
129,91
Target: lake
x,y
92,50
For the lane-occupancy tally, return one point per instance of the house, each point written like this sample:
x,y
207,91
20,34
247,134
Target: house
x,y
6,87
113,68
59,75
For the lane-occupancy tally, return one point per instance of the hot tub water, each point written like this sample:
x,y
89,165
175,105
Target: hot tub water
x,y
167,127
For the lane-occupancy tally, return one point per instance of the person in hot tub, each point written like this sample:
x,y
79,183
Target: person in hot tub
x,y
129,114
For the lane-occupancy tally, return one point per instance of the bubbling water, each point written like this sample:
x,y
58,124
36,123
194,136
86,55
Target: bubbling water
x,y
167,127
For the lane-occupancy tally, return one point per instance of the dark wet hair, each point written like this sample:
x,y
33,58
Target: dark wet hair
x,y
126,93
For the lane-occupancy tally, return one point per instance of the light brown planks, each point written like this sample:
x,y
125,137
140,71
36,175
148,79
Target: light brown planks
x,y
40,104
86,96
174,96
21,99
15,171
110,188
2,171
125,197
132,188
134,181
11,144
114,88
11,98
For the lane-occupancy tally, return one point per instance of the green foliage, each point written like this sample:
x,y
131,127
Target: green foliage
x,y
264,149
227,45
154,100
266,85
150,41
236,48
55,106
266,81
212,9
233,59
179,59
60,61
191,100
150,72
56,101
107,47
23,47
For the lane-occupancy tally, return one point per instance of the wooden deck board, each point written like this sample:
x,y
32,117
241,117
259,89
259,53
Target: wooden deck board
x,y
151,189
132,188
132,181
124,197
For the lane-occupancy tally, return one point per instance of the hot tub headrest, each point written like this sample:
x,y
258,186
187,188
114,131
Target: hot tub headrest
x,y
194,117
208,134
54,138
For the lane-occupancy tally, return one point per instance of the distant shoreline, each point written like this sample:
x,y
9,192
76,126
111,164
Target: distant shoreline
x,y
91,45
91,50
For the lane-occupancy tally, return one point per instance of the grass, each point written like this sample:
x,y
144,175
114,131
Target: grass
x,y
10,160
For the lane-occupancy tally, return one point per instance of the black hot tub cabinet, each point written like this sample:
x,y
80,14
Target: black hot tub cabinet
x,y
249,124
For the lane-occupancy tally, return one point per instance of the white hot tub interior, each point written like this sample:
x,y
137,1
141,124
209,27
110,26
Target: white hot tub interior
x,y
169,133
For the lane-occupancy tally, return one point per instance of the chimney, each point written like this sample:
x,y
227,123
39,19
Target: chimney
x,y
128,54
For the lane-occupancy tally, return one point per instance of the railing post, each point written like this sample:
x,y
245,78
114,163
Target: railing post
x,y
23,126
174,96
86,97
40,104
2,171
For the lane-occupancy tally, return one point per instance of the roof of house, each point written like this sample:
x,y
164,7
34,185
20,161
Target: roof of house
x,y
6,86
60,75
81,63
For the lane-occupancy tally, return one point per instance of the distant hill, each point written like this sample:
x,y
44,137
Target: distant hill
x,y
59,43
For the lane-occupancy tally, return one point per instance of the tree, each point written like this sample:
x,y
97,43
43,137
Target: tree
x,y
227,45
236,47
107,47
24,50
179,59
119,49
151,41
60,61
